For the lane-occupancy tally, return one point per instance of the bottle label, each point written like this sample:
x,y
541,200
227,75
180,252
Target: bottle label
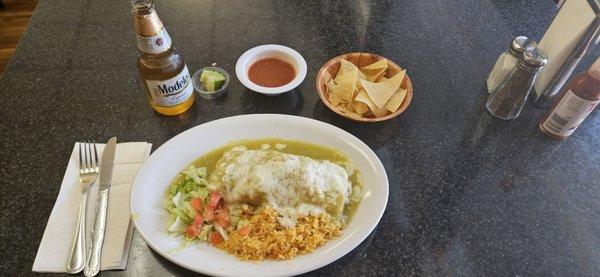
x,y
154,44
568,114
173,91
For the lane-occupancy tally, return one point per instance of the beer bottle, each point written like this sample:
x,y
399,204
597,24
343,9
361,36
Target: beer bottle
x,y
164,73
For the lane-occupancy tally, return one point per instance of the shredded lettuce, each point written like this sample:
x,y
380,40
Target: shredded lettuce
x,y
182,215
193,183
201,193
205,231
190,212
167,204
177,227
221,231
197,175
171,191
177,200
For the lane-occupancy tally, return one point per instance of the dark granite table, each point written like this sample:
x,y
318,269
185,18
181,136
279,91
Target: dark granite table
x,y
469,194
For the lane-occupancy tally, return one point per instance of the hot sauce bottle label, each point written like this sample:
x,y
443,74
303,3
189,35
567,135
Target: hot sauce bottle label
x,y
568,114
173,91
154,44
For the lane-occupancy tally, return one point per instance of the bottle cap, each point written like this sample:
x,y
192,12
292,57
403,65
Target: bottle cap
x,y
141,5
533,56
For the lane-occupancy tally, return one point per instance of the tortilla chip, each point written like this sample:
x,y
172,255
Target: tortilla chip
x,y
332,92
360,107
399,76
361,75
371,76
344,109
358,86
378,65
329,86
364,98
346,79
338,91
396,100
379,77
381,92
345,68
374,70
335,100
348,110
355,93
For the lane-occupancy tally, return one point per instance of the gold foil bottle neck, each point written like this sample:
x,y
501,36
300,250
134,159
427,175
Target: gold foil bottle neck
x,y
145,18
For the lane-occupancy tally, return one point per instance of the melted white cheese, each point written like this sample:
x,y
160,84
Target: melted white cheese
x,y
294,185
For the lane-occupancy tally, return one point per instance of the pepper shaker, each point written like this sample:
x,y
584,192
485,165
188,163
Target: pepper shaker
x,y
507,62
508,100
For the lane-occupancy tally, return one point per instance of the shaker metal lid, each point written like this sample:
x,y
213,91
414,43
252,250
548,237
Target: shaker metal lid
x,y
519,44
533,56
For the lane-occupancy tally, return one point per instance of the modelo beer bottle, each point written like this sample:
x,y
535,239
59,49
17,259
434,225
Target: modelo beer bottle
x,y
164,73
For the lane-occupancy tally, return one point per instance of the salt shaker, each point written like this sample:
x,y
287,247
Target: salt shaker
x,y
507,62
508,100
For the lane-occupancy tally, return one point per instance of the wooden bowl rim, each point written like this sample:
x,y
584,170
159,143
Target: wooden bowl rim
x,y
402,108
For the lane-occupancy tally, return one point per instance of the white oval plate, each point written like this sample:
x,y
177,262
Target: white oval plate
x,y
151,182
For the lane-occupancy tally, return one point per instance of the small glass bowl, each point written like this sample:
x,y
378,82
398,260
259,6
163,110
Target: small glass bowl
x,y
199,87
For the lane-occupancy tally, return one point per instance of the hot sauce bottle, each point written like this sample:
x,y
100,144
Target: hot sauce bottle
x,y
575,103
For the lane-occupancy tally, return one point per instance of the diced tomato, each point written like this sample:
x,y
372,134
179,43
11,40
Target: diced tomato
x,y
209,213
214,199
215,238
198,220
196,204
222,218
244,231
192,231
223,222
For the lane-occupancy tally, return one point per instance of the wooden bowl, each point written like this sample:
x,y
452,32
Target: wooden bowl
x,y
331,68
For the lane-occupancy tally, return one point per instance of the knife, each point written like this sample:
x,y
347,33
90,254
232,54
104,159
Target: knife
x,y
92,266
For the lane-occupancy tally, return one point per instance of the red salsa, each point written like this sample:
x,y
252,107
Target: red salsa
x,y
271,72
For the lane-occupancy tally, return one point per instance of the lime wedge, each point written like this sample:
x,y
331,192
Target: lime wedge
x,y
212,80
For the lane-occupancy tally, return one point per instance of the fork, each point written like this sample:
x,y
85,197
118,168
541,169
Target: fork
x,y
88,173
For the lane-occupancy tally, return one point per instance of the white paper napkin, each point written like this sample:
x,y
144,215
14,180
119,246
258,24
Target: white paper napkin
x,y
58,236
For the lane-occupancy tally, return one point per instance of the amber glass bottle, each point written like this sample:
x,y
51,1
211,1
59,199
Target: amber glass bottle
x,y
164,73
575,103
